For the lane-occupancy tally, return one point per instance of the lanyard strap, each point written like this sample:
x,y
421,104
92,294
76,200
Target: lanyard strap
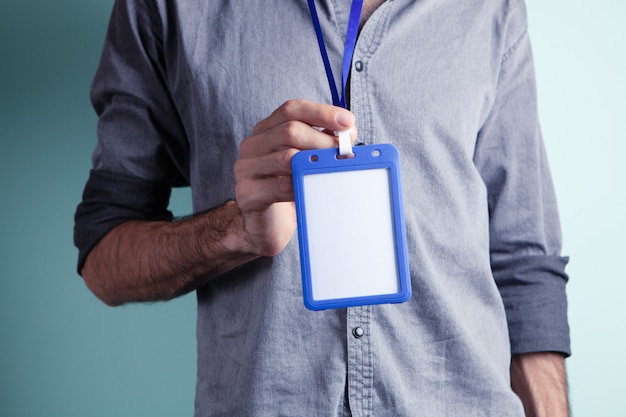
x,y
351,35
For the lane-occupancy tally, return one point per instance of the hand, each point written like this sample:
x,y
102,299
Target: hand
x,y
263,184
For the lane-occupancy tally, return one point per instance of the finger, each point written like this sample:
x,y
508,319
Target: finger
x,y
271,165
314,114
256,195
288,135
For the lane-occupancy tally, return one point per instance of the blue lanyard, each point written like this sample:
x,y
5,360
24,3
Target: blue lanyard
x,y
351,35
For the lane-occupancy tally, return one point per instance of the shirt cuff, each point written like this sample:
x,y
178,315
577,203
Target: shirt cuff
x,y
533,292
110,200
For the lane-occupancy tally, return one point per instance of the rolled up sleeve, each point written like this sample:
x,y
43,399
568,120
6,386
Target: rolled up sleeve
x,y
525,236
142,149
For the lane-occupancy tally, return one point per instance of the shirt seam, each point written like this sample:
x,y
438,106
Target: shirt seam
x,y
509,52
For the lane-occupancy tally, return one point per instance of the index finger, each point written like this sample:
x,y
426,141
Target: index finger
x,y
325,116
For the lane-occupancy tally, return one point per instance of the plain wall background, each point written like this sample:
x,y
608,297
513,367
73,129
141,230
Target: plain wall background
x,y
63,353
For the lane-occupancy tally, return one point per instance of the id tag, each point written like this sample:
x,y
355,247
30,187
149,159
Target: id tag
x,y
351,227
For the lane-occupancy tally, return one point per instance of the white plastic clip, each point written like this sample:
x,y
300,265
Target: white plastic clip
x,y
345,144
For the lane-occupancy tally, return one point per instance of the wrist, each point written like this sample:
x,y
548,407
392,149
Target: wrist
x,y
540,381
235,239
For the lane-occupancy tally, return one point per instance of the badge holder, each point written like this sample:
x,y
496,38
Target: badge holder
x,y
351,226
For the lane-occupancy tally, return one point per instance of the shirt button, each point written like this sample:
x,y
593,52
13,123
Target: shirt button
x,y
358,65
358,332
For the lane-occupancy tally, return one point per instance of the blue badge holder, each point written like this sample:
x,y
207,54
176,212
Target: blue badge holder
x,y
351,227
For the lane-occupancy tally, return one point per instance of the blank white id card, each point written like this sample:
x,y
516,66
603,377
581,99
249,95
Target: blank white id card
x,y
351,227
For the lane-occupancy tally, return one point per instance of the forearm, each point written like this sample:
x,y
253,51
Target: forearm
x,y
151,261
539,379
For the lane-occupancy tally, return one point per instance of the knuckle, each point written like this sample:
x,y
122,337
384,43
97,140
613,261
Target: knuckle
x,y
259,127
244,146
239,169
240,191
291,130
246,196
284,158
291,107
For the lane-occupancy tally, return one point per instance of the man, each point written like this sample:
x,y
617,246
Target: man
x,y
220,95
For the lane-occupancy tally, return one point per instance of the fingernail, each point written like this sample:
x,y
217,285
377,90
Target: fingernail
x,y
345,118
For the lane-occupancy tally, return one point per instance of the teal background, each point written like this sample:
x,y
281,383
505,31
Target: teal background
x,y
63,353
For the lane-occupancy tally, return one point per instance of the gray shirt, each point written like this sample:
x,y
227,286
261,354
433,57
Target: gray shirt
x,y
451,85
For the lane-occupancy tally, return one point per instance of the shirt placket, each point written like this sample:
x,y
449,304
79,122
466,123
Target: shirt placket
x,y
359,335
360,363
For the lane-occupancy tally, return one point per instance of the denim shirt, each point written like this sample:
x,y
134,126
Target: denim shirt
x,y
451,84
